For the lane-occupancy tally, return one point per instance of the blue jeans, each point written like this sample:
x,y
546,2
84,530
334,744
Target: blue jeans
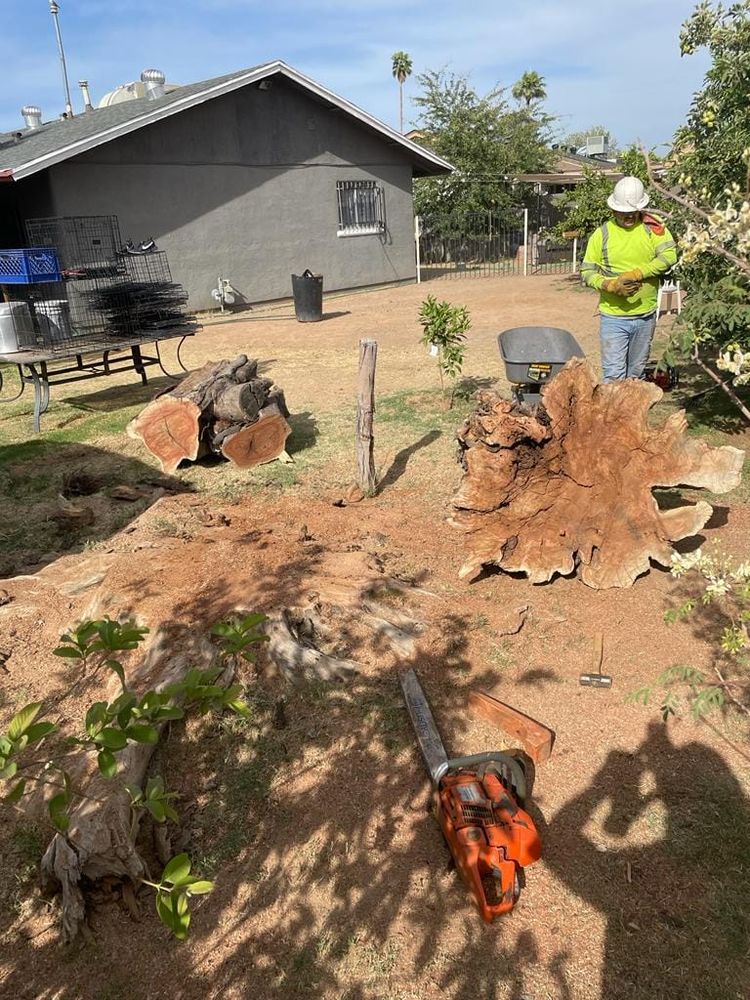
x,y
626,345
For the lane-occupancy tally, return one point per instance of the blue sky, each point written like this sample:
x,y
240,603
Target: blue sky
x,y
608,62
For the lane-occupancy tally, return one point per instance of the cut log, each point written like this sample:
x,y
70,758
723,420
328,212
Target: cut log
x,y
170,429
257,443
212,405
568,487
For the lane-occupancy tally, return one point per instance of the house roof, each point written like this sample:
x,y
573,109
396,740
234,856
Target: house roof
x,y
32,150
568,169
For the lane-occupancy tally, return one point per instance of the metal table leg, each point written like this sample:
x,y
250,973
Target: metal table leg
x,y
135,351
12,399
41,393
179,359
161,360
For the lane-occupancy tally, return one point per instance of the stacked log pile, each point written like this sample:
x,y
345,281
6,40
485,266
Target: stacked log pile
x,y
224,408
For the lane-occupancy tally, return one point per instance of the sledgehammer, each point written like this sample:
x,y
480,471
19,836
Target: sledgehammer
x,y
596,678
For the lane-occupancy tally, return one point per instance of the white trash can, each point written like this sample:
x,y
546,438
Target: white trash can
x,y
53,316
16,327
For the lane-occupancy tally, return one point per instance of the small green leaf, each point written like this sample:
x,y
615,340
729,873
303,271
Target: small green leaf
x,y
96,716
8,771
16,793
135,793
107,763
222,628
112,739
157,809
69,652
39,730
240,707
58,811
177,869
116,667
142,734
23,719
199,888
164,909
170,813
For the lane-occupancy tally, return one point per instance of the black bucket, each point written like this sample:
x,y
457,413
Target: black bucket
x,y
307,289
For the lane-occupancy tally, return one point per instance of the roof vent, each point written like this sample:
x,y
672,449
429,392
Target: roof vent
x,y
32,115
85,93
153,80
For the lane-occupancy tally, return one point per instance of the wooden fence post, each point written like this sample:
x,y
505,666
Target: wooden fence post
x,y
368,353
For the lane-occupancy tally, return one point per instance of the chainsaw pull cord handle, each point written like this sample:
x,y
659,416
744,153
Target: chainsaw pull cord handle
x,y
475,761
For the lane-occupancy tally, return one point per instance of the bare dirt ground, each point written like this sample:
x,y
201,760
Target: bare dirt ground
x,y
332,878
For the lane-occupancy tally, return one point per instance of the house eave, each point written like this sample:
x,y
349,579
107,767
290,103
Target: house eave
x,y
425,161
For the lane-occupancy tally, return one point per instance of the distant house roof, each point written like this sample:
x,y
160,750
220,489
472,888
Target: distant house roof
x,y
27,152
568,169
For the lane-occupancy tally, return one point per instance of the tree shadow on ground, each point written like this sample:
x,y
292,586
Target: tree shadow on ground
x,y
332,878
38,478
119,397
398,466
316,826
676,910
304,434
466,387
707,405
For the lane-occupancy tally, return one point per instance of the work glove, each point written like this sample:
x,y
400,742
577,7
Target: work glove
x,y
635,275
621,285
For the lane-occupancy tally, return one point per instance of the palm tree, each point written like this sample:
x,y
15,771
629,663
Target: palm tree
x,y
401,69
530,88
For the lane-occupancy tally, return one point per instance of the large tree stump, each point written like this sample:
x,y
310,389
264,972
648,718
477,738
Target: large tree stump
x,y
101,839
223,407
569,486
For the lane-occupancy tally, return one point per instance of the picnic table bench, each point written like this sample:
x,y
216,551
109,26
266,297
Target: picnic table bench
x,y
43,368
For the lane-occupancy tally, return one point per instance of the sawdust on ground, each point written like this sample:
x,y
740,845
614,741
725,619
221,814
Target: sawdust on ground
x,y
332,879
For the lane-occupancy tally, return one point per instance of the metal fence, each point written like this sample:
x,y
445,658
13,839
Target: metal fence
x,y
483,244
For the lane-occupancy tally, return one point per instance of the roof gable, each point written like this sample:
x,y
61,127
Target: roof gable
x,y
62,139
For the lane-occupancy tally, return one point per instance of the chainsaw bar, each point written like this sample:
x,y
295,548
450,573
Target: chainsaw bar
x,y
428,735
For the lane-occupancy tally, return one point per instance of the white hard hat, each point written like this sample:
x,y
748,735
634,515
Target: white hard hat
x,y
629,195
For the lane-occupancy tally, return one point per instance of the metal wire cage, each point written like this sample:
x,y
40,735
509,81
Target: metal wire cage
x,y
106,295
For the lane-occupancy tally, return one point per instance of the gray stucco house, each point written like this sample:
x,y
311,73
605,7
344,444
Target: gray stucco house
x,y
250,176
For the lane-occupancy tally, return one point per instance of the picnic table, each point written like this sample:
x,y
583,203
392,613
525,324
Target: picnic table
x,y
44,368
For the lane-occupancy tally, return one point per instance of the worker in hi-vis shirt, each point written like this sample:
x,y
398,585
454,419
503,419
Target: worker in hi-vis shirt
x,y
625,259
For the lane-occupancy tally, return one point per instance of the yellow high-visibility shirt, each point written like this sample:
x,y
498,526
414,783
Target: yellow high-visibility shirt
x,y
613,250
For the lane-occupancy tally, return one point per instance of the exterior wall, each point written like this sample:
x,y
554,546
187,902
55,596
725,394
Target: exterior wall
x,y
19,202
244,187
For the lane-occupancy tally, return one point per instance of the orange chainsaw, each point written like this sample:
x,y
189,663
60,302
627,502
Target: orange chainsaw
x,y
477,802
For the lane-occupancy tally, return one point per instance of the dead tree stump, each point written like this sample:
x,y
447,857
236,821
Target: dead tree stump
x,y
568,487
222,408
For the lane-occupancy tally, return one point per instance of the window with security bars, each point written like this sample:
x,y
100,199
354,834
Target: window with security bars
x,y
361,207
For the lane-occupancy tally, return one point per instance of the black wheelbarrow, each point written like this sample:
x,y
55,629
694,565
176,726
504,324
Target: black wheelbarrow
x,y
532,355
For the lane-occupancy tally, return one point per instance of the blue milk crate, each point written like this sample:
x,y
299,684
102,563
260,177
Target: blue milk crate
x,y
29,266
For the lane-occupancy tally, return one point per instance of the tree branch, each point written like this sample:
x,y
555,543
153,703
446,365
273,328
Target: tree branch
x,y
726,687
738,262
725,386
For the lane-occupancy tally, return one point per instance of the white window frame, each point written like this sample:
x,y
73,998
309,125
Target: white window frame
x,y
361,208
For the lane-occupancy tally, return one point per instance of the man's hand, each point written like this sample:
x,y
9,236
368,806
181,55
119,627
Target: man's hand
x,y
622,285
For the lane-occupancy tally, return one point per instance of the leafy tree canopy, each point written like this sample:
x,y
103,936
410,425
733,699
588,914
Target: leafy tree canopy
x,y
585,207
530,88
487,142
710,163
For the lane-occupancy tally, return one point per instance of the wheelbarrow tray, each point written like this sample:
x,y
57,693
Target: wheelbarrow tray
x,y
536,353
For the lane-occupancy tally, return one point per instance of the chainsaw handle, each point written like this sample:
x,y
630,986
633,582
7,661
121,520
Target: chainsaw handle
x,y
475,761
